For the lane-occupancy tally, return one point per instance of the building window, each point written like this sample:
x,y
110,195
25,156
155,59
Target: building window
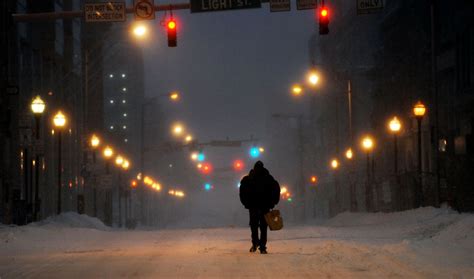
x,y
124,127
124,89
111,101
123,75
111,76
124,115
124,101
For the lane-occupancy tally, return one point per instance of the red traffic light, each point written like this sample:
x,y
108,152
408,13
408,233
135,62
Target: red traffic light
x,y
324,12
171,24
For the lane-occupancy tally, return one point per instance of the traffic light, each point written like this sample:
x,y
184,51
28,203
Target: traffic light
x,y
238,165
172,36
323,21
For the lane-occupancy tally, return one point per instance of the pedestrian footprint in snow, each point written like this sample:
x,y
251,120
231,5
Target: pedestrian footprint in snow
x,y
259,192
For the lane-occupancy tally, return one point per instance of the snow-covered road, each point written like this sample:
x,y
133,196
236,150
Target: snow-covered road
x,y
424,243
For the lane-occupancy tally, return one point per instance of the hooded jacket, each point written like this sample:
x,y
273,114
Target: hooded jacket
x,y
259,190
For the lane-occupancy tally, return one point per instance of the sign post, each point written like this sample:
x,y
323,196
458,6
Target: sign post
x,y
144,9
104,12
198,6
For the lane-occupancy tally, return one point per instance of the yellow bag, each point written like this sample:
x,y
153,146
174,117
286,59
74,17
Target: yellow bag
x,y
274,220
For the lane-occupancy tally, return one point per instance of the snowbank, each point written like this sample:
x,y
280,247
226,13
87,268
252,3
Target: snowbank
x,y
72,220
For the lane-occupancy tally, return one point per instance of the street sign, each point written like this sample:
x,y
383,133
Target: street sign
x,y
280,5
144,9
306,4
104,12
369,6
198,6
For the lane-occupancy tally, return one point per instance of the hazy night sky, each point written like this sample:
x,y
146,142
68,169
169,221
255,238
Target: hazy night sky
x,y
233,68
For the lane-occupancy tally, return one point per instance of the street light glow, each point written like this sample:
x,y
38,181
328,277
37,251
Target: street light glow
x,y
188,138
349,153
178,129
59,120
297,90
38,105
140,31
419,110
313,78
395,125
334,163
108,152
119,160
367,143
95,141
174,96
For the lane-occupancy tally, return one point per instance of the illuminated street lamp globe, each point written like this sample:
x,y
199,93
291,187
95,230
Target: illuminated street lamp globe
x,y
59,120
108,152
395,125
188,138
125,164
419,110
38,105
334,163
178,129
297,90
119,160
349,153
313,78
140,30
174,96
95,141
367,143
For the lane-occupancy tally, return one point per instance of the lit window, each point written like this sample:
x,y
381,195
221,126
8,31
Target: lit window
x,y
124,115
123,101
111,127
124,89
123,75
111,76
111,101
125,140
124,127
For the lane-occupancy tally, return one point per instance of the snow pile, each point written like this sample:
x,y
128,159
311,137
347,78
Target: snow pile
x,y
460,231
72,220
403,218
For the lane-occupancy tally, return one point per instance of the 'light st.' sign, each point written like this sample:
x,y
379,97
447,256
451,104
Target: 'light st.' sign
x,y
198,6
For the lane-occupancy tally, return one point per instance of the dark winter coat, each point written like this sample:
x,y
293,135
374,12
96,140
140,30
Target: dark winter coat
x,y
259,190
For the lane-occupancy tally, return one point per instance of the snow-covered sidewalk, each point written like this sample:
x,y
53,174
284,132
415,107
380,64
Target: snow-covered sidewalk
x,y
422,243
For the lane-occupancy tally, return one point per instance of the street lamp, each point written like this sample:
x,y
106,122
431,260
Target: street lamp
x,y
368,145
334,164
174,96
59,121
140,31
419,111
296,90
37,107
108,153
119,160
395,125
349,154
94,142
188,138
178,129
313,78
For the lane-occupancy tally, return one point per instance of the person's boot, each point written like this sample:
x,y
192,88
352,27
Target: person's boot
x,y
253,249
264,251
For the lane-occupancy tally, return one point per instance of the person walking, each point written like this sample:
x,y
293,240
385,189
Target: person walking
x,y
259,192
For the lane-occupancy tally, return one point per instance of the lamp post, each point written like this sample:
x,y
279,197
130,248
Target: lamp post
x,y
108,153
59,122
37,107
94,143
395,125
119,161
368,145
128,199
419,111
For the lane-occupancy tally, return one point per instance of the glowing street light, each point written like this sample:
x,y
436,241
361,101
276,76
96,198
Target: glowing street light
x,y
394,125
194,156
313,78
119,160
349,153
37,107
368,145
125,164
334,163
94,141
140,31
59,120
108,152
296,90
314,179
174,96
188,138
178,129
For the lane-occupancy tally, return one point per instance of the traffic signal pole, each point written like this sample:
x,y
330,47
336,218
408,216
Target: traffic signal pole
x,y
50,16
